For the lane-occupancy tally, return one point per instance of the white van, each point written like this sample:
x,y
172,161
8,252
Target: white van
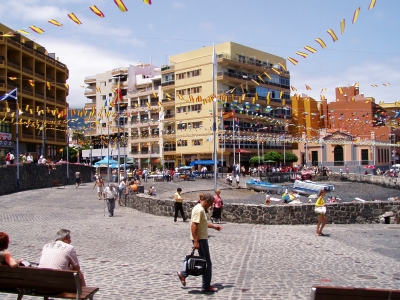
x,y
395,167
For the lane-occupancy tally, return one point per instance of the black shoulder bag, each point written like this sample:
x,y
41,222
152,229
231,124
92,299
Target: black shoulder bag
x,y
195,265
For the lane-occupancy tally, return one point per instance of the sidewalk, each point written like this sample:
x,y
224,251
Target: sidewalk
x,y
136,255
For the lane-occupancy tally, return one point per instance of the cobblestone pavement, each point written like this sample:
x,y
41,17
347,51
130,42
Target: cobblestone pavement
x,y
136,255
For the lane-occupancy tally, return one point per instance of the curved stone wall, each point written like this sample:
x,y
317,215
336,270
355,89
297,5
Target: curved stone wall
x,y
337,213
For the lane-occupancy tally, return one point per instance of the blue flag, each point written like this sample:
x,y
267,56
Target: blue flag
x,y
10,96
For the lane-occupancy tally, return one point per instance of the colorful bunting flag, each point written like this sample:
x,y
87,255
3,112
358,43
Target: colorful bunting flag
x,y
292,60
283,67
311,49
97,11
323,90
74,18
342,26
10,34
66,85
31,82
48,84
98,89
293,88
355,16
320,42
121,5
386,84
276,71
308,88
333,35
302,54
266,74
36,29
23,32
54,22
148,2
12,78
340,89
372,4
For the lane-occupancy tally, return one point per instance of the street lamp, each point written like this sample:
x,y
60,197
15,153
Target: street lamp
x,y
91,147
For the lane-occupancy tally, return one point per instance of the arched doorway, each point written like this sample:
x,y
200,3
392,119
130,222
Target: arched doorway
x,y
338,156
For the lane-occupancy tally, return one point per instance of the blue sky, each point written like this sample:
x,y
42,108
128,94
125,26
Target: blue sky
x,y
368,52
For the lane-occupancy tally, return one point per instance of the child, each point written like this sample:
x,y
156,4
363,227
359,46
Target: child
x,y
267,199
237,180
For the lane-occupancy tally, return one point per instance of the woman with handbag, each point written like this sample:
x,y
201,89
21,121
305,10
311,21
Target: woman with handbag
x,y
320,209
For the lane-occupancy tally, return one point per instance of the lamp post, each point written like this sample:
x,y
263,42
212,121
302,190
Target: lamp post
x,y
91,147
392,154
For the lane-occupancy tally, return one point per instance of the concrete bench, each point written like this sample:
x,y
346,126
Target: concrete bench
x,y
46,283
351,293
57,183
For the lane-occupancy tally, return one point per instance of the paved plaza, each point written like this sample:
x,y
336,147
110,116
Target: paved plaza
x,y
136,255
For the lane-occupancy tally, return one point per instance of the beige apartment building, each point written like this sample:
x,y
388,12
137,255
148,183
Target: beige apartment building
x,y
167,113
253,96
42,91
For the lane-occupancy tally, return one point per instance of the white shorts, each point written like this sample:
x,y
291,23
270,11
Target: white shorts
x,y
99,189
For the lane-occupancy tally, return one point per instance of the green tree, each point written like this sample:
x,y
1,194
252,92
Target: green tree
x,y
273,155
290,157
254,160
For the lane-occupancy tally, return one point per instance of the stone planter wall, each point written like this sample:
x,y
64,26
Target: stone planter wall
x,y
33,176
338,213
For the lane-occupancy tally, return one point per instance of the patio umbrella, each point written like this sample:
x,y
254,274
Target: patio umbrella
x,y
370,167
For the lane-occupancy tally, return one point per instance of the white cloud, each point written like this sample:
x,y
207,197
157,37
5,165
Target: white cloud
x,y
84,60
178,5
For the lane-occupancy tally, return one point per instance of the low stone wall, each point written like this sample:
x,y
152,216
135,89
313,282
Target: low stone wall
x,y
337,213
385,181
34,176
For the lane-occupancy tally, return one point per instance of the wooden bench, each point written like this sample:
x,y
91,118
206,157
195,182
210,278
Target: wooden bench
x,y
46,283
351,293
57,183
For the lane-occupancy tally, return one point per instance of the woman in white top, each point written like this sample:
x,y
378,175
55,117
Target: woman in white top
x,y
121,189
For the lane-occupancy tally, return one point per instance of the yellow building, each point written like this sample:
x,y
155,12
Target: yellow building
x,y
252,90
41,82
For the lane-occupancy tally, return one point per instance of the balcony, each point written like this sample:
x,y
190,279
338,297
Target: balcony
x,y
119,71
232,77
13,42
90,92
60,101
170,116
168,83
166,68
40,55
39,75
27,49
13,64
146,90
27,70
28,136
90,79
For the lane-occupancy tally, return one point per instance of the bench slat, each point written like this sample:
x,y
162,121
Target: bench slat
x,y
351,293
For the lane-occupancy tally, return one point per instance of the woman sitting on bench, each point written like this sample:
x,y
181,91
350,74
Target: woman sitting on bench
x,y
5,256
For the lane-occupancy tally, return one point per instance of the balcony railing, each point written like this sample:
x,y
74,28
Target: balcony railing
x,y
168,83
90,78
250,79
41,76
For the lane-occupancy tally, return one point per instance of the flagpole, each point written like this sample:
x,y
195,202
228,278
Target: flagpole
x,y
119,125
108,149
44,120
234,144
214,58
17,139
67,137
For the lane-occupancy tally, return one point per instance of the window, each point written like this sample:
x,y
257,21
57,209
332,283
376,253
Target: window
x,y
181,109
196,72
181,92
182,126
180,76
181,143
188,74
197,142
103,97
5,127
195,90
102,83
197,124
196,107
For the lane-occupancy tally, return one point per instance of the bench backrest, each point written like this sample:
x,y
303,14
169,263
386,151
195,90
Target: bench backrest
x,y
40,279
351,293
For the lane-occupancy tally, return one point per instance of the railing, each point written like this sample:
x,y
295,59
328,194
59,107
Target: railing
x,y
38,95
90,92
249,78
41,76
27,70
169,116
27,49
27,92
90,78
14,42
60,64
170,67
60,101
168,83
27,136
50,77
146,89
50,60
40,55
14,65
119,70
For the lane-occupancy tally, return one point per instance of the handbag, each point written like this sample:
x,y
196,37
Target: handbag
x,y
321,210
195,265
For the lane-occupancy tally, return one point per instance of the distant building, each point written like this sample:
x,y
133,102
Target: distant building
x,y
42,91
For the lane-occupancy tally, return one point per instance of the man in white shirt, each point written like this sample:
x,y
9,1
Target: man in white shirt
x,y
61,255
110,193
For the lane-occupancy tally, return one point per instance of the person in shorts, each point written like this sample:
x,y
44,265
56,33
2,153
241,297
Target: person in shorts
x,y
77,179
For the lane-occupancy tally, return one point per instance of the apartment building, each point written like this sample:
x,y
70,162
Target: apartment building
x,y
136,110
253,96
42,91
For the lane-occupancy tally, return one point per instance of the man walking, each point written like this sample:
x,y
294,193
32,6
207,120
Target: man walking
x,y
109,195
77,179
100,184
199,236
61,255
178,205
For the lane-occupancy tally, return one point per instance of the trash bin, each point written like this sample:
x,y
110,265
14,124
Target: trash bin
x,y
140,189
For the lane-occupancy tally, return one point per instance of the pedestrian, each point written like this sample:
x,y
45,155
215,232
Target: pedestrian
x,y
321,216
61,255
7,158
146,174
114,175
109,195
201,196
217,207
5,255
12,158
178,205
199,236
121,189
77,179
237,180
29,158
267,199
100,184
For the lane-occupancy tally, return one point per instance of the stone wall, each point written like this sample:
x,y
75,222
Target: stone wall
x,y
34,176
338,213
385,181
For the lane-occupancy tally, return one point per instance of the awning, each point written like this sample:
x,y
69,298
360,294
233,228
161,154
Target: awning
x,y
203,162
